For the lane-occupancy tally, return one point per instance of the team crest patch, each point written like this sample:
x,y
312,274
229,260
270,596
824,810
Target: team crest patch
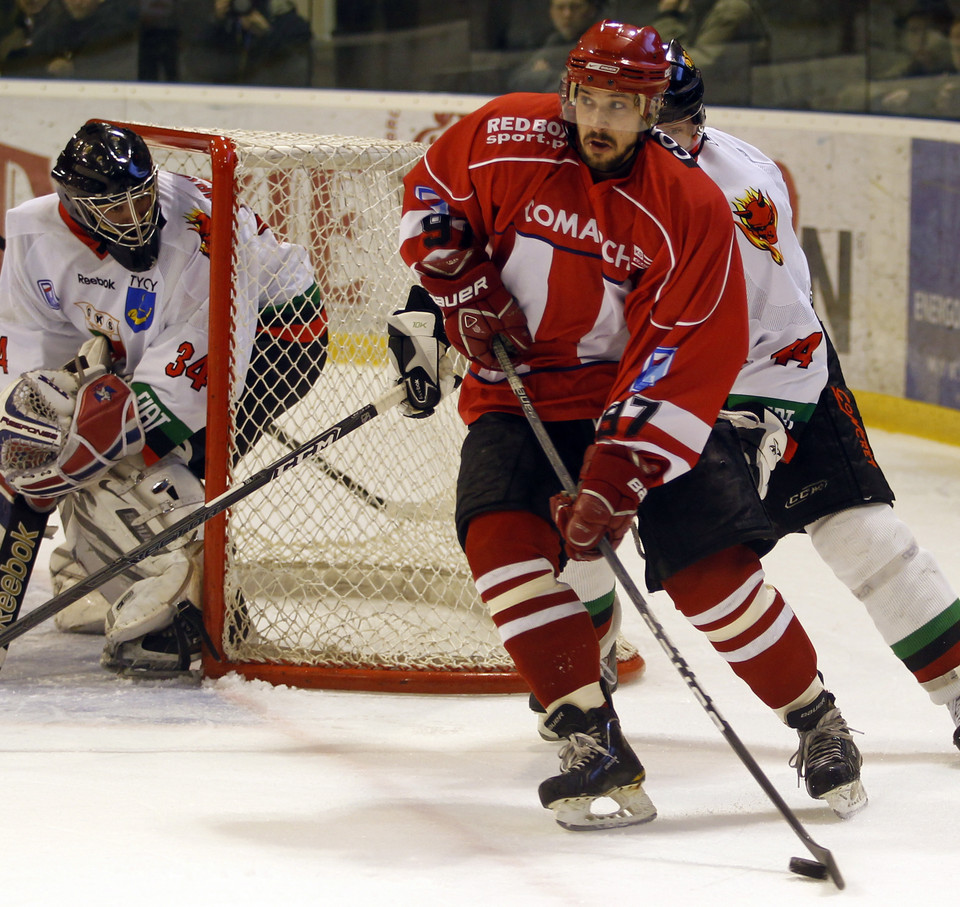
x,y
757,219
103,393
429,196
656,367
100,322
139,308
48,293
199,222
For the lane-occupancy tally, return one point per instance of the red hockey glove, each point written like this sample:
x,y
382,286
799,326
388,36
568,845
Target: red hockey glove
x,y
476,308
612,484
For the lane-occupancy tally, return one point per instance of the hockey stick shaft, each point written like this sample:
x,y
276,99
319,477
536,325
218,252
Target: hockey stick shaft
x,y
823,855
202,514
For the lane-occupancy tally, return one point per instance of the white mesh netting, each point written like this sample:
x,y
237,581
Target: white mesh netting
x,y
349,560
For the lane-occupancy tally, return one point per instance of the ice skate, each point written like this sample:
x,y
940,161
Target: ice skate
x,y
827,758
596,762
954,707
165,653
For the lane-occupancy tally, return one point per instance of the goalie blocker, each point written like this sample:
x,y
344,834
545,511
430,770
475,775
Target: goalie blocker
x,y
418,349
23,528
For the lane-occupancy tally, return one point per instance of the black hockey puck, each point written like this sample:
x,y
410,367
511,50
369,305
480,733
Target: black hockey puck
x,y
810,868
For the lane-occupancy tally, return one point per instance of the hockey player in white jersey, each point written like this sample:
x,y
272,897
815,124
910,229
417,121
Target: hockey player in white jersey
x,y
831,486
116,262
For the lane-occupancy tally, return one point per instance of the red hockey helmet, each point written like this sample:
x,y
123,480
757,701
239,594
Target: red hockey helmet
x,y
618,57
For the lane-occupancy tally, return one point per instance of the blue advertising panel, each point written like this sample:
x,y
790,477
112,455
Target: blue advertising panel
x,y
933,327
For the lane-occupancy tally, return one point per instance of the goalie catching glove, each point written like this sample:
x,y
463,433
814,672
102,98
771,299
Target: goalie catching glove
x,y
418,353
764,440
613,482
62,428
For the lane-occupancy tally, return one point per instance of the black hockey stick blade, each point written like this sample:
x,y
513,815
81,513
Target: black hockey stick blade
x,y
22,528
271,429
202,514
623,577
403,510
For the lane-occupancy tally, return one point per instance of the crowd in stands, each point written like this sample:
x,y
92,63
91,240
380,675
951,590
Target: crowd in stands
x,y
255,42
877,56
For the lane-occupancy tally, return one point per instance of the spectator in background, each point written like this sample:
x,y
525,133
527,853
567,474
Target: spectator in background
x,y
710,29
520,25
947,102
77,39
925,50
543,70
251,42
923,55
158,51
15,26
725,37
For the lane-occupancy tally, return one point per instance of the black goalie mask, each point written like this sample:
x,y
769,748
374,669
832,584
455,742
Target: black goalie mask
x,y
107,182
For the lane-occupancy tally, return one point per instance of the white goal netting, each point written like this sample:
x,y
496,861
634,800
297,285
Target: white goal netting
x,y
345,571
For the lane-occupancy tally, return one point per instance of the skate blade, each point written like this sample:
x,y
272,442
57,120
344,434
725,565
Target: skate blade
x,y
576,813
545,732
846,800
188,678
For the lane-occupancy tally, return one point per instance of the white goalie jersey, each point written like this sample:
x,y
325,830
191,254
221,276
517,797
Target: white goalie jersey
x,y
58,288
786,367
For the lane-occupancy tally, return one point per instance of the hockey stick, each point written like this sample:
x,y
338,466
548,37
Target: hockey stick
x,y
825,860
23,529
393,509
201,515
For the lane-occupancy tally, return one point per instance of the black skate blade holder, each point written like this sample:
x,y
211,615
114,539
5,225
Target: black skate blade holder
x,y
822,855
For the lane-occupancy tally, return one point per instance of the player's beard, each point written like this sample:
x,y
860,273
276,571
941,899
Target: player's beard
x,y
610,156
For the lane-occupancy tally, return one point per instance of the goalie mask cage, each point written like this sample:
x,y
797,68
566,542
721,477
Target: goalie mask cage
x,y
344,572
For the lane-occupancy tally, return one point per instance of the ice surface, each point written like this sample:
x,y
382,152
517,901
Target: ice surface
x,y
237,793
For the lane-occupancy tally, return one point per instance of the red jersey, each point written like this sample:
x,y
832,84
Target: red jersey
x,y
632,287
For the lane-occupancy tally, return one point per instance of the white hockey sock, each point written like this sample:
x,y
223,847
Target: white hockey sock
x,y
902,587
595,585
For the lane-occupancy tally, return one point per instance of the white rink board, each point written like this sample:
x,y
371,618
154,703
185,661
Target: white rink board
x,y
852,173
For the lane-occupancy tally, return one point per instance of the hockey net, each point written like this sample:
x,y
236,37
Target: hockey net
x,y
345,571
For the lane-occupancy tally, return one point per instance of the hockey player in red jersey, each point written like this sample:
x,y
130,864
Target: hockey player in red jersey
x,y
849,519
607,261
703,535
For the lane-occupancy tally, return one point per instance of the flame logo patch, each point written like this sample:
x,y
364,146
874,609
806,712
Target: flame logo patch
x,y
757,219
200,223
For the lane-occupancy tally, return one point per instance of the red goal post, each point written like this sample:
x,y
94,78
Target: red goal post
x,y
345,572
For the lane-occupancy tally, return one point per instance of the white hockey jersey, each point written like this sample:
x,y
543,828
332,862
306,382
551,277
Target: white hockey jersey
x,y
57,290
786,368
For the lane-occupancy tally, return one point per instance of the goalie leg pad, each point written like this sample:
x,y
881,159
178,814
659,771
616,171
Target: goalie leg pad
x,y
112,516
86,615
151,603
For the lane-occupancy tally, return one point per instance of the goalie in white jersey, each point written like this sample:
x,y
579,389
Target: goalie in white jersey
x,y
117,263
830,486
